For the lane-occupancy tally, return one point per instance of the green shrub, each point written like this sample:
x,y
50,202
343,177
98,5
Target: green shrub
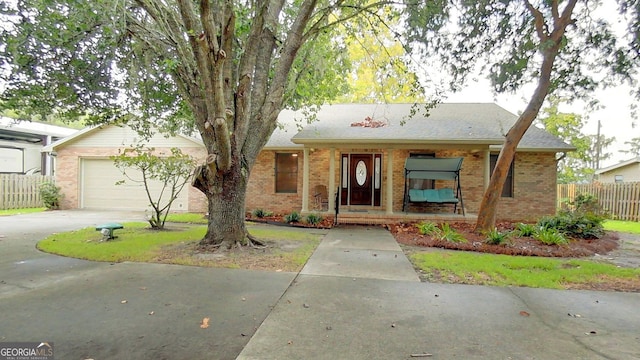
x,y
294,217
427,228
260,213
314,219
575,224
451,235
551,236
584,218
495,237
587,203
525,229
51,195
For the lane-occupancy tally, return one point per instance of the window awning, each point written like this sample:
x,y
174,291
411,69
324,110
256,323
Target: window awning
x,y
433,168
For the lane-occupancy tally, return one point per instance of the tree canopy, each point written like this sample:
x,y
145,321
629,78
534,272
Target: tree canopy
x,y
220,67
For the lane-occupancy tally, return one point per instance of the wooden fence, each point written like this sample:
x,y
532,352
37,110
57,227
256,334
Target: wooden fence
x,y
21,191
620,200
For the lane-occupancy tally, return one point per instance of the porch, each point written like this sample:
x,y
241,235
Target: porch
x,y
375,217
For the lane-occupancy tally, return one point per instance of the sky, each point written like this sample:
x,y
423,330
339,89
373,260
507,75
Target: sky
x,y
615,117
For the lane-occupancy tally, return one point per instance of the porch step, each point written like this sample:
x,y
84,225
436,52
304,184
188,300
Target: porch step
x,y
362,218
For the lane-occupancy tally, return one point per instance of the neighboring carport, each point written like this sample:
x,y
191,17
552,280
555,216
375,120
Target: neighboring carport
x,y
447,169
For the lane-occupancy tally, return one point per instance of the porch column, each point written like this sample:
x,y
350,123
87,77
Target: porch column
x,y
487,168
332,180
305,180
389,188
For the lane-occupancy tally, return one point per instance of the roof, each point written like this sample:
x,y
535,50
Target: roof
x,y
446,124
635,160
30,131
89,131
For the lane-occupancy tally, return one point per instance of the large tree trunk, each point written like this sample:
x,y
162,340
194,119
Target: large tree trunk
x,y
226,195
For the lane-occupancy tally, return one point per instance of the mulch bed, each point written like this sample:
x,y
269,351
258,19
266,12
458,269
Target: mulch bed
x,y
278,220
407,234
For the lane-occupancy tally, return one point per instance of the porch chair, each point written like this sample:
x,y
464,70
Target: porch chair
x,y
322,197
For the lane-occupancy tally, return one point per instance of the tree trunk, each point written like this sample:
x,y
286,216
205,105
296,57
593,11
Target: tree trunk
x,y
549,45
226,205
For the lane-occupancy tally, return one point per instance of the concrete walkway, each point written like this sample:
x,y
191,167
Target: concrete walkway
x,y
359,298
360,252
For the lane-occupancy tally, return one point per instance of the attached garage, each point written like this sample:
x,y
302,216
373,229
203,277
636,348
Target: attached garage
x,y
98,189
87,176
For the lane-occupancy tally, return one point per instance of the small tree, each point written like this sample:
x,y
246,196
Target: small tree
x,y
171,171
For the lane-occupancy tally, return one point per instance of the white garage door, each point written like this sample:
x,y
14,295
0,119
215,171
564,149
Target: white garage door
x,y
99,189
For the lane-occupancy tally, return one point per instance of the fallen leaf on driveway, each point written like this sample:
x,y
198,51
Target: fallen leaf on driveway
x,y
524,313
205,323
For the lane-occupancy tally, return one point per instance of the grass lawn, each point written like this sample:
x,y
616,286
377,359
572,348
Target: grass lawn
x,y
504,270
288,248
622,226
21,211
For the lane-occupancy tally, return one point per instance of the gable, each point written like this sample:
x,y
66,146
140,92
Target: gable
x,y
111,136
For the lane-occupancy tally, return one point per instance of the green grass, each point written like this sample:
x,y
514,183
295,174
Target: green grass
x,y
190,218
136,242
622,226
504,270
21,211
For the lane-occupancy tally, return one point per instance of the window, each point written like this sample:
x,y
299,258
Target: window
x,y
422,183
618,178
507,190
286,173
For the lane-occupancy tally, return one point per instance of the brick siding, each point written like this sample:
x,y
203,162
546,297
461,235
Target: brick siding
x,y
534,183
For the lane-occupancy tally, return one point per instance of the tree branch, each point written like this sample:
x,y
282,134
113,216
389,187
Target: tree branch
x,y
538,21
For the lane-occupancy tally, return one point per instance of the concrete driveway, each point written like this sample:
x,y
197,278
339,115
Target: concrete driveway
x,y
123,311
356,298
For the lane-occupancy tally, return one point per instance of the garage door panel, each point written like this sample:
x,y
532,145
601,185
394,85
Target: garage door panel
x,y
99,189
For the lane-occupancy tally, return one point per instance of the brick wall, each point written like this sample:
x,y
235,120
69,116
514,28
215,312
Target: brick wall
x,y
534,188
261,190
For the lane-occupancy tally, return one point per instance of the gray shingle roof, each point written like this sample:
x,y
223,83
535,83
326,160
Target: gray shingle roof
x,y
448,123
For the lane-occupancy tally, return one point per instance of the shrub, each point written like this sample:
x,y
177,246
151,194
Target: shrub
x,y
51,195
587,203
260,213
495,237
525,229
451,235
314,219
583,225
551,236
427,228
294,217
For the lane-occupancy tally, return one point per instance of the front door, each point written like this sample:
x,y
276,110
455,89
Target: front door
x,y
360,174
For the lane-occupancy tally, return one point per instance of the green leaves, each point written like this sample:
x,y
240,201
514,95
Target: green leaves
x,y
499,38
172,170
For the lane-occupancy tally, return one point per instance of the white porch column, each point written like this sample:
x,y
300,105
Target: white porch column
x,y
332,180
487,168
305,180
389,187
